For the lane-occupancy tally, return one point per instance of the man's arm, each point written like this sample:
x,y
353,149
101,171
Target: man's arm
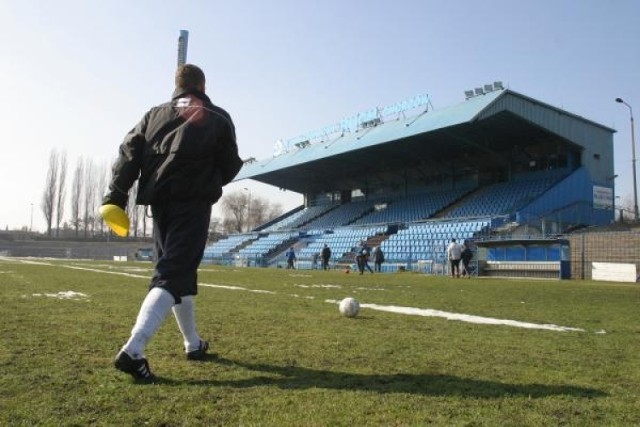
x,y
126,168
230,162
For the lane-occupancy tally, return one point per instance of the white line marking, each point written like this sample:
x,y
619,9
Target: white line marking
x,y
463,317
64,295
237,288
319,286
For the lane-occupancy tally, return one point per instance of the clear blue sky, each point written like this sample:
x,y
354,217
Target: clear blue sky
x,y
77,75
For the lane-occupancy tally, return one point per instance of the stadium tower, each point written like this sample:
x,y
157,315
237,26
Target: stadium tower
x,y
183,45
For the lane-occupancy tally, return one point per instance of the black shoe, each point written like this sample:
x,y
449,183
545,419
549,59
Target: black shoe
x,y
200,353
138,368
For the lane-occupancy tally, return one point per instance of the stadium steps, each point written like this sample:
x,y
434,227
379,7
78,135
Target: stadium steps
x,y
242,245
274,253
349,258
376,241
442,213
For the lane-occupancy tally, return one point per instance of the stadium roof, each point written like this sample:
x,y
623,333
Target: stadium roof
x,y
481,129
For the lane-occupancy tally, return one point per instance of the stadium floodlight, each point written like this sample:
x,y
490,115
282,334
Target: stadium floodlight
x,y
479,91
633,160
468,94
498,86
488,88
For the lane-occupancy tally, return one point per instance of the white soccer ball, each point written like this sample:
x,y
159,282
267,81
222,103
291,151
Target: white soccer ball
x,y
349,307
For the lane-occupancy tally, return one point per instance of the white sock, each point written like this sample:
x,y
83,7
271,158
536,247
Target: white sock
x,y
153,311
185,315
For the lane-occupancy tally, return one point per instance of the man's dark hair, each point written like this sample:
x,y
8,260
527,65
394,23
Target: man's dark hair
x,y
189,76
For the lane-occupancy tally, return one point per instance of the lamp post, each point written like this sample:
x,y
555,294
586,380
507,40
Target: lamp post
x,y
633,160
248,209
31,223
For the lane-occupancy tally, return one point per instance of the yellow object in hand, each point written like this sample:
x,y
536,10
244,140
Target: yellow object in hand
x,y
116,218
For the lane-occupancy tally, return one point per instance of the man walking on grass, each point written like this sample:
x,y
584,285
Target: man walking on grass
x,y
182,153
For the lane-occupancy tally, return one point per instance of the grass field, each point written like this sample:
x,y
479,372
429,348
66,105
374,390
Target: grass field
x,y
287,358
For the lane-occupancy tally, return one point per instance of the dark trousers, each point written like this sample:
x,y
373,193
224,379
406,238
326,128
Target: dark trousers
x,y
363,263
465,267
366,265
455,267
180,233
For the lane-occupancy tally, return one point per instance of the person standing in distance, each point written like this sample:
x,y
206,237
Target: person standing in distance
x,y
378,258
291,257
326,254
453,253
466,255
182,153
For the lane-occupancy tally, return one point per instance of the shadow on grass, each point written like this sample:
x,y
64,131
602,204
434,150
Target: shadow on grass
x,y
293,378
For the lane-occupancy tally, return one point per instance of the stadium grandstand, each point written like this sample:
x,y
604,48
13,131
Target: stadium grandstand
x,y
408,178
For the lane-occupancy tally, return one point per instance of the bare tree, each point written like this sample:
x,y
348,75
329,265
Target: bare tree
x,y
234,207
133,211
89,196
145,220
229,225
262,211
103,181
214,224
76,195
50,188
239,216
275,210
626,208
61,192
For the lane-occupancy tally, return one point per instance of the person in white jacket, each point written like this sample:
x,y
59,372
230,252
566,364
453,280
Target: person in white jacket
x,y
454,252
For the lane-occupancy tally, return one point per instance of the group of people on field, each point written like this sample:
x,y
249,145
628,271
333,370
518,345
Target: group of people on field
x,y
324,255
456,252
363,253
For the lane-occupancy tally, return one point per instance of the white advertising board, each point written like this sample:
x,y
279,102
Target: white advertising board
x,y
614,272
602,197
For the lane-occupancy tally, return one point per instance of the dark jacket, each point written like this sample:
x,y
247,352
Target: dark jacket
x,y
181,150
466,255
378,256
